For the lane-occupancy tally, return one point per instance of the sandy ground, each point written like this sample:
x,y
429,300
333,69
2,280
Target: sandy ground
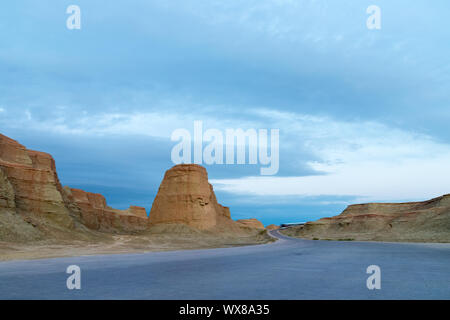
x,y
126,244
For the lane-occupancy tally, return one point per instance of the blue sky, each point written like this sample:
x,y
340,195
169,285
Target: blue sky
x,y
363,114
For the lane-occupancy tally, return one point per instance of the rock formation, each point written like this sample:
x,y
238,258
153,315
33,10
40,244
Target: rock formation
x,y
7,196
136,211
31,177
12,226
97,215
186,197
427,221
33,203
251,223
272,227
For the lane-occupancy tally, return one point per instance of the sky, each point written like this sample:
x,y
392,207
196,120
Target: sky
x,y
363,115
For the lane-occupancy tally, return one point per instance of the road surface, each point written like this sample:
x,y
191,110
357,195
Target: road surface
x,y
287,269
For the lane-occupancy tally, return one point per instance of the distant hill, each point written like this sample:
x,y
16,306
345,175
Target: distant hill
x,y
427,221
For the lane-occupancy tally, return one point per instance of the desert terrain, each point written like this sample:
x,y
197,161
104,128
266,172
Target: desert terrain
x,y
158,238
426,221
39,218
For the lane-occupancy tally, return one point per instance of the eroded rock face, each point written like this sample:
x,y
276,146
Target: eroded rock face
x,y
137,211
31,196
13,227
251,223
97,215
186,197
272,227
7,196
35,184
33,200
427,221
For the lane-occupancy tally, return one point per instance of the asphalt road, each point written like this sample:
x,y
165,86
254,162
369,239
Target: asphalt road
x,y
287,269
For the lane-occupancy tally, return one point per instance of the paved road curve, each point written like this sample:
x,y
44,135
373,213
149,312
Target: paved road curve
x,y
288,269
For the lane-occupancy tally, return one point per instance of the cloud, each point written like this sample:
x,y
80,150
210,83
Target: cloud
x,y
153,124
368,160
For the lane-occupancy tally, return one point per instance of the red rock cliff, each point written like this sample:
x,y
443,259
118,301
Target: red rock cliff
x,y
251,223
427,221
97,215
30,189
186,197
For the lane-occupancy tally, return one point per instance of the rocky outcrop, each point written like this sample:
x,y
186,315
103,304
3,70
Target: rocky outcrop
x,y
97,215
186,197
7,196
137,211
33,204
32,176
272,227
427,221
251,223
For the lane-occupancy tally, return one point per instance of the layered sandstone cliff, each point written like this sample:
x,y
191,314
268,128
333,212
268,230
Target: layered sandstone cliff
x,y
35,191
427,221
7,196
97,215
251,223
33,178
12,226
33,204
186,197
